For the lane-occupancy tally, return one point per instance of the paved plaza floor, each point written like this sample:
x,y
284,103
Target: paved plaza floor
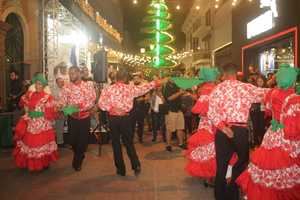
x,y
162,178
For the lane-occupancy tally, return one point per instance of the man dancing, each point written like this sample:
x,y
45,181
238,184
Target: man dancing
x,y
80,96
229,105
117,100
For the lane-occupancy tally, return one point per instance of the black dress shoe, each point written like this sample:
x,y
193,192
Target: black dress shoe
x,y
77,168
169,148
121,173
137,171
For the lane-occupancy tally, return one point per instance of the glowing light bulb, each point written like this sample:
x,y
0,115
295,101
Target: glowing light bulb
x,y
178,7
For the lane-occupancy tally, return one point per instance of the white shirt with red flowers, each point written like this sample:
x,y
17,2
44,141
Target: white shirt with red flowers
x,y
82,95
230,102
118,98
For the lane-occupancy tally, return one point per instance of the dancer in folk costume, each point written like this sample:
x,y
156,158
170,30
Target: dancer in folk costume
x,y
77,99
201,148
34,135
274,170
229,105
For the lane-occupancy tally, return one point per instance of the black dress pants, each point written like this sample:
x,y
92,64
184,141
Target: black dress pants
x,y
120,126
79,130
225,147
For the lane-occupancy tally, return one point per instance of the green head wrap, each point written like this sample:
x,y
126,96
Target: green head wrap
x,y
39,77
206,74
286,76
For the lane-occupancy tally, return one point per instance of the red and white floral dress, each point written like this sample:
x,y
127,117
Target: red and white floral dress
x,y
274,169
201,145
35,137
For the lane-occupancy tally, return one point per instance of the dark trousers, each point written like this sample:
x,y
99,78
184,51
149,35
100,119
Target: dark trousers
x,y
188,124
158,123
121,127
79,130
138,118
259,127
225,147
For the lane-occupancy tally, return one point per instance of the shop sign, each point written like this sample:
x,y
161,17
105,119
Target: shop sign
x,y
265,21
260,24
270,4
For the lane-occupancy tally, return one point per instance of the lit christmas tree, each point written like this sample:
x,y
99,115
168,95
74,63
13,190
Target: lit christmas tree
x,y
158,39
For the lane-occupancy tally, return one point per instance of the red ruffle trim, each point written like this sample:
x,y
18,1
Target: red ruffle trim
x,y
201,137
292,128
37,140
272,159
33,164
257,192
205,170
20,129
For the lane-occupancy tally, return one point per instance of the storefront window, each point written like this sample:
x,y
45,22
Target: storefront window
x,y
275,54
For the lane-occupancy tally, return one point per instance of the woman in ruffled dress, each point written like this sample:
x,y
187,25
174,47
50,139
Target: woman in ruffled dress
x,y
34,136
274,170
201,149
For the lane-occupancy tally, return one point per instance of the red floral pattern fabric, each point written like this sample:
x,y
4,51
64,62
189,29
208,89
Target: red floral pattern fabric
x,y
278,175
231,100
82,95
35,138
118,98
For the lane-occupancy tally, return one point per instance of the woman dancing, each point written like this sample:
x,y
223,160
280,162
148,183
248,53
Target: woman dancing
x,y
34,135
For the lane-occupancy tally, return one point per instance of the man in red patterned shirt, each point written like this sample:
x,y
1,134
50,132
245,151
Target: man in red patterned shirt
x,y
81,95
117,100
229,106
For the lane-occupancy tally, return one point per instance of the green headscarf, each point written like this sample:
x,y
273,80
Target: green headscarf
x,y
286,76
39,77
206,74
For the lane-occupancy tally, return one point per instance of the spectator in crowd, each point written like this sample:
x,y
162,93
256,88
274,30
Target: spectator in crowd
x,y
188,101
140,108
15,91
253,74
85,73
257,115
60,121
174,118
271,80
158,118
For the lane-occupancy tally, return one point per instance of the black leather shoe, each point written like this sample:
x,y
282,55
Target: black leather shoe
x,y
169,148
137,171
121,173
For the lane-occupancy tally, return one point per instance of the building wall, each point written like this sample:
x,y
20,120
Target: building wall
x,y
28,14
289,16
222,26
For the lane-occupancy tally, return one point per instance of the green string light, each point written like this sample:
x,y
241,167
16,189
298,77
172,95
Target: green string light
x,y
157,24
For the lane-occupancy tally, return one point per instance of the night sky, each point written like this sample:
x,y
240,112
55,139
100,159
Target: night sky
x,y
133,15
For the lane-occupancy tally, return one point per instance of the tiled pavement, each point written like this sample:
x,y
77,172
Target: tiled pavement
x,y
162,178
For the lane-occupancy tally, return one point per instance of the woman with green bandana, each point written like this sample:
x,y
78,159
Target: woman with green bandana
x,y
274,169
201,148
34,136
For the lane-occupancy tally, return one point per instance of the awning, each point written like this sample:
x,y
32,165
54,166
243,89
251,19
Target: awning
x,y
94,29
